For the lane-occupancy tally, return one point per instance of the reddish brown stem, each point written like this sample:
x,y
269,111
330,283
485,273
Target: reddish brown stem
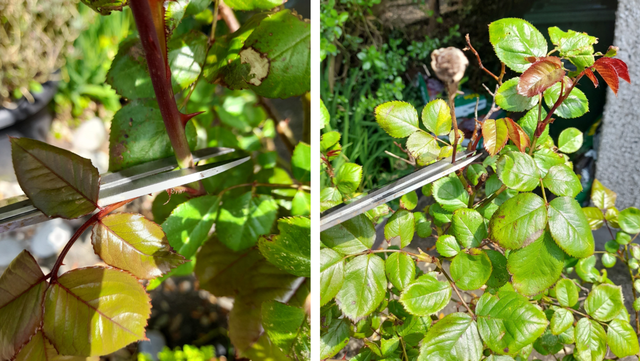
x,y
560,100
161,82
498,79
90,222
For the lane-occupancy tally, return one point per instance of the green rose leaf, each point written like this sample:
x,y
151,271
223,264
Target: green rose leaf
x,y
468,227
331,274
476,172
436,117
301,162
569,227
401,224
423,146
439,214
546,158
329,198
335,339
499,274
570,140
290,251
58,182
189,224
350,237
471,271
518,171
135,244
138,135
515,40
602,197
400,269
453,338
519,221
39,348
577,47
562,181
591,341
604,302
398,119
447,246
86,312
574,106
423,225
508,98
222,271
328,140
301,204
426,295
561,321
622,339
364,286
566,292
537,266
529,123
22,288
450,193
508,322
253,4
409,201
348,178
586,269
287,327
629,220
243,219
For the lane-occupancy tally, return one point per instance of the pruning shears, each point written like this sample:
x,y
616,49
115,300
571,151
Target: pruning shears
x,y
393,190
133,182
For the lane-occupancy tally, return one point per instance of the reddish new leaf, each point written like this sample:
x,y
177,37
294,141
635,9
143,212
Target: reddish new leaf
x,y
22,288
134,244
517,135
591,76
608,73
58,182
540,76
495,134
40,348
95,311
621,68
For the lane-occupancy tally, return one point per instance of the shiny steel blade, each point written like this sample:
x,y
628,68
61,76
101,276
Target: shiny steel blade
x,y
21,204
132,188
391,191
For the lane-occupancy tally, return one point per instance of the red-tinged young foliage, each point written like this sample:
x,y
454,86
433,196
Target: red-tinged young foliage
x,y
540,76
517,135
608,73
591,76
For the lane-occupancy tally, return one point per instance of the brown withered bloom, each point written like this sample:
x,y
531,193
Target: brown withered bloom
x,y
449,64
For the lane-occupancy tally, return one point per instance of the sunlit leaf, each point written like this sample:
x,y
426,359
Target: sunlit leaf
x,y
436,117
189,224
566,292
400,269
253,5
601,196
135,244
471,270
287,328
591,341
426,295
351,236
570,140
401,224
510,100
515,40
574,106
540,76
569,227
622,339
518,171
519,221
291,249
40,348
495,134
629,220
58,182
537,266
562,181
331,274
469,227
447,246
95,311
364,286
517,135
561,321
398,119
450,193
423,146
604,302
454,338
301,162
242,220
508,322
348,178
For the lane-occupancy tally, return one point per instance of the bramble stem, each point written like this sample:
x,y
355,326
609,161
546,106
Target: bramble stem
x,y
453,285
86,225
490,198
532,147
161,80
544,194
453,89
272,185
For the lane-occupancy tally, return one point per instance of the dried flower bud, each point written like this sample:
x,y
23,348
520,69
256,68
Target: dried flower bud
x,y
449,64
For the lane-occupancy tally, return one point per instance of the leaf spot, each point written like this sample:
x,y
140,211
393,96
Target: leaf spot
x,y
259,65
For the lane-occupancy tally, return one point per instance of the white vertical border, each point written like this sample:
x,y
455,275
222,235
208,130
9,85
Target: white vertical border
x,y
315,180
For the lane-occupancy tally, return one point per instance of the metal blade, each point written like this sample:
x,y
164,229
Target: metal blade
x,y
132,189
391,191
21,204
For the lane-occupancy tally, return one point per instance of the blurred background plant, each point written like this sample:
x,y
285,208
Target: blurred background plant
x,y
188,353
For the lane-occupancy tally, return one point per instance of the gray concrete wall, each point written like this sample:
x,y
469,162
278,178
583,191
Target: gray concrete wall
x,y
618,165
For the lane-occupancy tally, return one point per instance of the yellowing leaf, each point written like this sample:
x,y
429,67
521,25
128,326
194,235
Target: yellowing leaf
x,y
495,134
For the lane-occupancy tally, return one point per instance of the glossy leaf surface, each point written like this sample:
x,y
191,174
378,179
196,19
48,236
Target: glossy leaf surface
x,y
604,302
519,221
189,224
569,227
468,226
570,140
471,270
453,338
426,295
350,237
40,348
135,244
436,117
401,224
591,340
450,193
562,181
574,106
291,249
495,134
622,339
515,40
518,171
398,119
287,328
537,266
58,182
331,274
566,292
540,76
508,322
242,220
95,311
364,286
400,269
510,100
